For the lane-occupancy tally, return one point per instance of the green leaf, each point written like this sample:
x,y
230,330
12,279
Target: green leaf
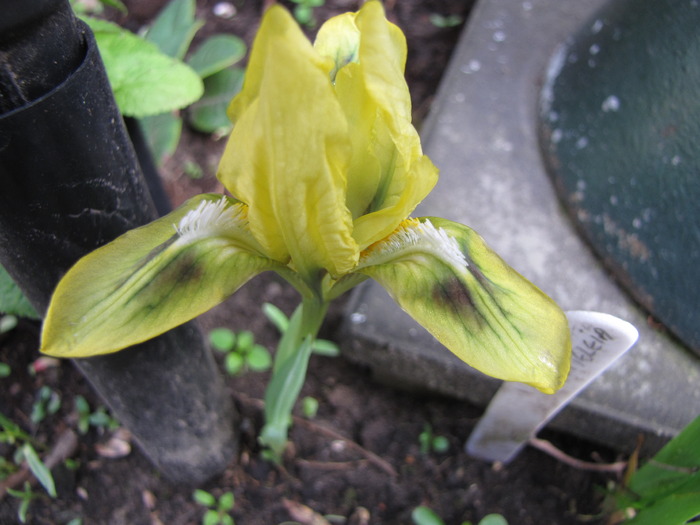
x,y
445,276
144,80
676,509
234,363
674,471
41,473
440,444
226,501
222,339
100,419
13,429
325,348
116,4
174,28
204,498
153,278
493,519
162,134
245,342
280,396
208,114
258,359
12,300
211,517
425,516
276,317
445,21
216,54
309,407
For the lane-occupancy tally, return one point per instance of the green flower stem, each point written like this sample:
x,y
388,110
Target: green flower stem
x,y
289,372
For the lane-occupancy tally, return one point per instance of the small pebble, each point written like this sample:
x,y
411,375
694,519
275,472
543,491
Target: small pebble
x,y
224,10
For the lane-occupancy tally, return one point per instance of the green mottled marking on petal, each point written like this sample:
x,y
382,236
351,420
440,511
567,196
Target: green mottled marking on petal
x,y
152,279
452,283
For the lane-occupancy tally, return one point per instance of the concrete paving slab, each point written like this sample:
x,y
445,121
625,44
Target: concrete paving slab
x,y
482,134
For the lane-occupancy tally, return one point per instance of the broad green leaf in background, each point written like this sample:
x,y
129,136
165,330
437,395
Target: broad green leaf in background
x,y
676,509
208,114
144,80
162,133
670,467
173,31
217,53
667,488
174,28
12,300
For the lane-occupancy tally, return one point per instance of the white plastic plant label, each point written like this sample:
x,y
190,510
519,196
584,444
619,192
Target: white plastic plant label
x,y
517,411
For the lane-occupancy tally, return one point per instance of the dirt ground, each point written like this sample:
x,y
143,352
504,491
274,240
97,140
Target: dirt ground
x,y
360,458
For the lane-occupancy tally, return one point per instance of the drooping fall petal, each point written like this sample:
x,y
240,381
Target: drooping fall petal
x,y
288,153
152,279
445,276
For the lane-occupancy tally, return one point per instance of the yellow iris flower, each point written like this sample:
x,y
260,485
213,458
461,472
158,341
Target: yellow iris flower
x,y
325,169
323,151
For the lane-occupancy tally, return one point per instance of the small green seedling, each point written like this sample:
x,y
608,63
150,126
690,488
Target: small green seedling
x,y
99,418
426,516
193,170
40,471
432,443
217,510
25,497
24,451
47,403
445,21
304,11
309,407
10,433
277,317
241,351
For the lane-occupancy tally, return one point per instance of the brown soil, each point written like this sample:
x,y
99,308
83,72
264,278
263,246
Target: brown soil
x,y
376,474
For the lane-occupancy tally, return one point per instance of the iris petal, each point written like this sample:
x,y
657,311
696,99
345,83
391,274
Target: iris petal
x,y
452,283
288,153
152,279
388,174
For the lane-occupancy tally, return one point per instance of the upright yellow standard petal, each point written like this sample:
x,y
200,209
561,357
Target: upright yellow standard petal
x,y
339,39
288,153
388,173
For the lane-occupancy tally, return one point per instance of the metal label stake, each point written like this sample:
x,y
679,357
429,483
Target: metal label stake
x,y
517,411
